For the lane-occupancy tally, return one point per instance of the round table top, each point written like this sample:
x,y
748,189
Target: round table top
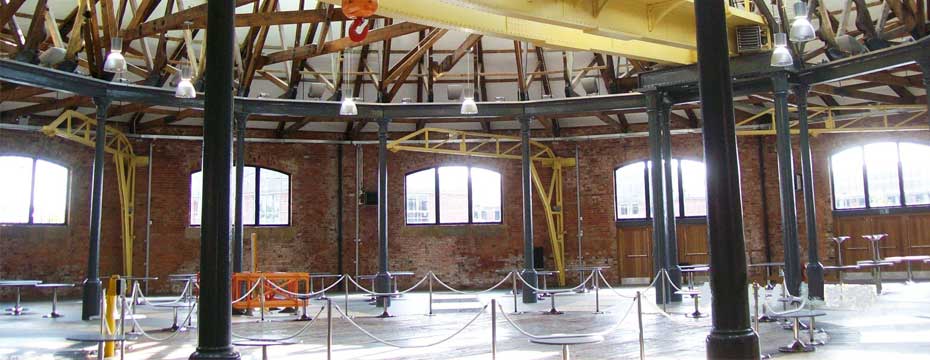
x,y
587,268
263,342
799,314
874,237
140,278
177,305
367,277
908,258
568,340
19,282
688,292
695,269
401,273
873,263
768,264
546,272
53,285
844,267
840,239
175,276
97,337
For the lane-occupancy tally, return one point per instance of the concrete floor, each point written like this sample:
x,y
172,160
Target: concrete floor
x,y
859,325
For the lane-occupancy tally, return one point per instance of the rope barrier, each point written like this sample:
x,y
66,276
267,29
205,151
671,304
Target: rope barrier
x,y
670,282
169,337
393,344
301,331
643,290
583,283
786,312
610,329
365,290
247,293
310,294
146,301
499,283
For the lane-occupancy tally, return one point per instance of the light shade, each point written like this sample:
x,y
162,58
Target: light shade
x,y
781,57
469,107
185,90
53,56
801,28
115,62
348,107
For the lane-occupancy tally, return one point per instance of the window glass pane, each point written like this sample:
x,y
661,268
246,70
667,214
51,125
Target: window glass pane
x,y
275,197
486,196
196,197
15,185
453,194
50,199
694,187
916,173
630,189
248,195
848,188
881,165
421,197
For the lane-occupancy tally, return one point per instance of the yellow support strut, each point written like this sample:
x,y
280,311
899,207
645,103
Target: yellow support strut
x,y
80,128
465,143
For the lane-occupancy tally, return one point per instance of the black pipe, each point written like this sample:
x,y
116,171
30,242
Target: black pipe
x,y
239,229
731,336
215,315
529,267
767,240
658,201
671,236
339,209
384,277
789,212
814,267
91,287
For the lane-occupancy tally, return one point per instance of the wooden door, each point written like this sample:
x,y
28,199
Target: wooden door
x,y
635,251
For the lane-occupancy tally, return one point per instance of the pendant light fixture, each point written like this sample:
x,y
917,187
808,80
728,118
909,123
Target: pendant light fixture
x,y
801,28
469,106
781,57
185,88
115,62
348,107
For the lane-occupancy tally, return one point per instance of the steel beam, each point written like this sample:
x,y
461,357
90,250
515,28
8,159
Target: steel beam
x,y
657,194
241,121
814,267
215,315
529,268
383,280
789,215
731,336
671,236
91,287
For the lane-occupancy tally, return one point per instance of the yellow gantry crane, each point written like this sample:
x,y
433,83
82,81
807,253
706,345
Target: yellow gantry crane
x,y
464,143
80,128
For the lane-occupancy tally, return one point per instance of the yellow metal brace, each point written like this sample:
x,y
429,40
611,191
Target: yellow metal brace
x,y
851,115
465,143
80,128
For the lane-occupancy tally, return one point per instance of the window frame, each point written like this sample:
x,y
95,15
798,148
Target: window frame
x,y
258,182
868,209
32,185
436,196
680,204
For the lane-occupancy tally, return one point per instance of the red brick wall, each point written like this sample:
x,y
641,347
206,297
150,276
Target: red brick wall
x,y
468,255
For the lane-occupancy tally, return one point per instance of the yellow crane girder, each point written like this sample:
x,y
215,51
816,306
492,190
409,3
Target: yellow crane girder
x,y
475,144
81,128
845,119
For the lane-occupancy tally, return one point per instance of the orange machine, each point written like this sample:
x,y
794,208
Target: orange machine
x,y
290,281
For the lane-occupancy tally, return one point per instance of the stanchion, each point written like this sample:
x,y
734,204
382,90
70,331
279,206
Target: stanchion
x,y
122,322
430,276
261,300
639,317
513,275
101,352
755,295
329,329
597,286
345,285
493,329
664,292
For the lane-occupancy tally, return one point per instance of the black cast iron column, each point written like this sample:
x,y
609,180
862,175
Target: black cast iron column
x,y
671,236
529,268
90,305
925,68
215,308
731,336
814,267
789,213
241,120
657,194
383,281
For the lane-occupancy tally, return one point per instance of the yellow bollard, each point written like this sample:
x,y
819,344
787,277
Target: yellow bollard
x,y
110,348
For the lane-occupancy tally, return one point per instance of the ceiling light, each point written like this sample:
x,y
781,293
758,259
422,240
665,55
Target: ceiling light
x,y
801,28
115,62
781,57
53,56
469,107
348,107
185,89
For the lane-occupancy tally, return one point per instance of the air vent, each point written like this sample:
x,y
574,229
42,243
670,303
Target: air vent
x,y
751,39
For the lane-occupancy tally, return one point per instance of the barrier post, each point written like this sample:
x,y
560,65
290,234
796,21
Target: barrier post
x,y
493,329
122,323
639,317
664,291
329,329
345,285
103,323
514,278
261,299
755,295
430,275
597,294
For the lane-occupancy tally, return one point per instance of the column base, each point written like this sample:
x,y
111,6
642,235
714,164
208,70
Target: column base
x,y
815,281
90,305
529,295
739,344
226,353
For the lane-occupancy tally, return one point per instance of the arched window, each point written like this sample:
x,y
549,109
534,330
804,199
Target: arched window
x,y
34,191
632,185
272,203
881,175
466,195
